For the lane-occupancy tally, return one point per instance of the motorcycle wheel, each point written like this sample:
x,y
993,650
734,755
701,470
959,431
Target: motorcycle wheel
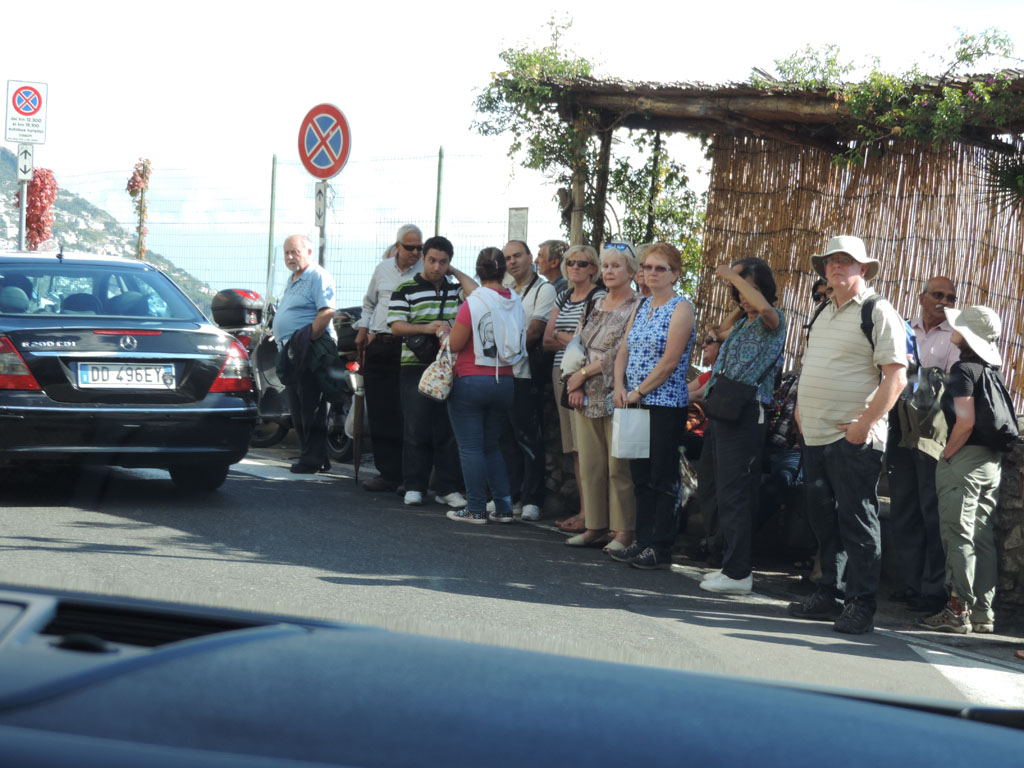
x,y
268,433
339,445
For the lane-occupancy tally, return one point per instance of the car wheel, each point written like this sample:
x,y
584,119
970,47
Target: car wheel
x,y
199,477
268,433
339,445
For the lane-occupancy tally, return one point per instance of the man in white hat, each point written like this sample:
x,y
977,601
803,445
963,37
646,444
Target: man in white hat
x,y
847,386
968,475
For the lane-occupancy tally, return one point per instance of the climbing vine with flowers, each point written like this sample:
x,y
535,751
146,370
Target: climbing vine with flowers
x,y
138,183
42,194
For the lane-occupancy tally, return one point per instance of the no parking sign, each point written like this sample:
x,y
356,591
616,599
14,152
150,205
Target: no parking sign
x,y
324,141
26,113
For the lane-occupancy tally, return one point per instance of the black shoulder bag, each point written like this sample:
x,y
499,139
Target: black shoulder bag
x,y
426,345
729,397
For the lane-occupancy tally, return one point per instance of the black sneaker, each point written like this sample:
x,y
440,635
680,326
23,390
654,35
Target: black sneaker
x,y
628,554
821,606
649,560
857,618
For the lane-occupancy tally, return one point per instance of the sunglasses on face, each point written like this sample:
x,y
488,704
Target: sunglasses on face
x,y
939,296
655,268
412,248
711,340
578,263
818,296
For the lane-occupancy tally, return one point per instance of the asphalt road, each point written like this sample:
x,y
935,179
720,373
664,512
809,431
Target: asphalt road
x,y
321,547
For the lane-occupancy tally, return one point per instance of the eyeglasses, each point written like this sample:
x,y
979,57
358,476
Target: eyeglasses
x,y
818,296
711,340
939,296
839,259
578,263
412,248
656,268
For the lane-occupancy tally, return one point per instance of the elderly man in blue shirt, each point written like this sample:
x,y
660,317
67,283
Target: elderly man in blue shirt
x,y
304,313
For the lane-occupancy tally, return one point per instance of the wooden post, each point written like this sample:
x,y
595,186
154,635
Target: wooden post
x,y
652,196
601,190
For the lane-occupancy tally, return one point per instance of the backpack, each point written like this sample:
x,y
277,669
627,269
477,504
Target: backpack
x,y
995,420
867,325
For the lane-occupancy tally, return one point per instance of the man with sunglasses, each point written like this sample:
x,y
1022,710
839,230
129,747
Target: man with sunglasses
x,y
380,355
911,461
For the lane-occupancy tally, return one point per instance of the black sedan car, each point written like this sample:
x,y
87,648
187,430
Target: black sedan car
x,y
106,361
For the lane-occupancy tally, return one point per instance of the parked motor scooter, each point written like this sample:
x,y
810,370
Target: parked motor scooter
x,y
242,313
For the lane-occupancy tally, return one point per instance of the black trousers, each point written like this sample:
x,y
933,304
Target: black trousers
x,y
522,444
656,481
841,483
383,404
428,440
736,452
914,519
308,408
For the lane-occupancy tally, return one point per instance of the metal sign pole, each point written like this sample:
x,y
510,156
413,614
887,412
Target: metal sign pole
x,y
320,213
22,207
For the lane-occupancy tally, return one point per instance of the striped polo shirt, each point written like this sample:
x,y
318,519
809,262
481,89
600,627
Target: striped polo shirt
x,y
840,374
419,302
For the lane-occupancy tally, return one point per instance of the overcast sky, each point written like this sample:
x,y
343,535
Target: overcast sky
x,y
214,89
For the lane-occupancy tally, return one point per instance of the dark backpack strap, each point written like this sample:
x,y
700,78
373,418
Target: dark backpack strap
x,y
821,308
867,322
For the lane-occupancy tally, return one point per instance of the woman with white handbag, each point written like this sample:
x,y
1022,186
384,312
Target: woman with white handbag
x,y
581,269
650,373
607,487
489,337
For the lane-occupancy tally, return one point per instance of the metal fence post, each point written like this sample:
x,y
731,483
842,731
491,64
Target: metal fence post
x,y
437,199
270,241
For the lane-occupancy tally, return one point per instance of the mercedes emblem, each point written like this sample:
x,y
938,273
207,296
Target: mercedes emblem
x,y
129,343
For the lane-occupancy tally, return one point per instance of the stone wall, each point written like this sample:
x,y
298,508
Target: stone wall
x,y
1009,524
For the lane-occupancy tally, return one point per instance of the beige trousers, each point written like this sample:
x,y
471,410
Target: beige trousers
x,y
608,498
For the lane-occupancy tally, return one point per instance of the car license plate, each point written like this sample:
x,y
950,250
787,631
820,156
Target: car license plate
x,y
125,376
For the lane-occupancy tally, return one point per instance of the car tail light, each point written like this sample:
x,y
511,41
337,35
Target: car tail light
x,y
14,374
236,374
352,366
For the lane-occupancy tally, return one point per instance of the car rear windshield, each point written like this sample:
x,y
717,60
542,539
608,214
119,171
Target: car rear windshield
x,y
66,288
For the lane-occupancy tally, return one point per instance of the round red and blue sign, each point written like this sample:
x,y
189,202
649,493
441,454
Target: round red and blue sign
x,y
324,141
27,101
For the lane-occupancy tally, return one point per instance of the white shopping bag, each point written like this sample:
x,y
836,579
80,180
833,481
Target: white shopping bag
x,y
631,433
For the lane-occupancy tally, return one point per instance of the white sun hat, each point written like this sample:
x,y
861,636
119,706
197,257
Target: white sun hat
x,y
853,247
980,327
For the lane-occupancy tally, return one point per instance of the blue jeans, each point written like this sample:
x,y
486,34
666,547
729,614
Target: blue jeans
x,y
477,408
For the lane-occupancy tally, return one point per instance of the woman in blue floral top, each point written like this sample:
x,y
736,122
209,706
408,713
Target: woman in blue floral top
x,y
752,354
650,371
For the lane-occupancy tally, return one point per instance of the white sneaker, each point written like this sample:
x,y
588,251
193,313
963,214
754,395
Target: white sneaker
x,y
413,498
531,512
455,500
517,509
711,574
491,507
723,585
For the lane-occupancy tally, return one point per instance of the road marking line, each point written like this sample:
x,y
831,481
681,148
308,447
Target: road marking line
x,y
980,683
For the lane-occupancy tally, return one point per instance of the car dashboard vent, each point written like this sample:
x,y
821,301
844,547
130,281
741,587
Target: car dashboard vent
x,y
128,626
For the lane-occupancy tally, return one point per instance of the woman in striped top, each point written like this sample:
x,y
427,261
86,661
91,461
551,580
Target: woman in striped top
x,y
580,268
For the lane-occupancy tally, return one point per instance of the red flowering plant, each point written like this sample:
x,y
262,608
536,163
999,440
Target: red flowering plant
x,y
42,193
138,183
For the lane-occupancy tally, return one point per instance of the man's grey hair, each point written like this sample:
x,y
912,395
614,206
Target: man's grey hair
x,y
407,229
556,250
304,241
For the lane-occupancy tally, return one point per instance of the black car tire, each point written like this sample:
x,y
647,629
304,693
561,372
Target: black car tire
x,y
268,433
199,477
339,445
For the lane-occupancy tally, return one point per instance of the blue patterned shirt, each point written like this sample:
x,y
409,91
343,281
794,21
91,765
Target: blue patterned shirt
x,y
751,349
647,340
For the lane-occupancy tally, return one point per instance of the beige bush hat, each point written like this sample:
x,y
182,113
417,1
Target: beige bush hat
x,y
852,246
980,327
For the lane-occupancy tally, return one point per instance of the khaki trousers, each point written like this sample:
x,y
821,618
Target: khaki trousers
x,y
608,498
968,490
